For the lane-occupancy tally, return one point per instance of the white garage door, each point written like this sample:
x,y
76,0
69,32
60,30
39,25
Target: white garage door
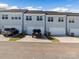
x,y
57,31
75,31
30,30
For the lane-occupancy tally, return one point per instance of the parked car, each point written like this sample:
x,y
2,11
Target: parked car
x,y
36,33
0,31
10,32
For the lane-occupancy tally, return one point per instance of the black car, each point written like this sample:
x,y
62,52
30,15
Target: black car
x,y
10,32
36,33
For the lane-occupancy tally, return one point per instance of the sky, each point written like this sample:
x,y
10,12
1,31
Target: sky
x,y
51,5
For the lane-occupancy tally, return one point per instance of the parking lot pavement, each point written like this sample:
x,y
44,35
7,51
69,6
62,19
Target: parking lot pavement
x,y
67,39
30,39
23,50
2,38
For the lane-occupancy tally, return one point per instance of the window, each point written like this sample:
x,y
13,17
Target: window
x,y
39,18
60,19
12,17
16,17
50,19
71,21
28,17
4,16
19,17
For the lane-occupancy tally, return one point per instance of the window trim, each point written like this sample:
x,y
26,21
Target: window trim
x,y
50,19
39,18
60,19
4,16
29,18
71,21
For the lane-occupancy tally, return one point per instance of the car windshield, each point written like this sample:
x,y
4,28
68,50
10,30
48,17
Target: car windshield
x,y
13,29
36,30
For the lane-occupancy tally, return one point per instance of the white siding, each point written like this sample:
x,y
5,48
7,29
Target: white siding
x,y
73,27
34,24
56,24
57,31
55,27
9,23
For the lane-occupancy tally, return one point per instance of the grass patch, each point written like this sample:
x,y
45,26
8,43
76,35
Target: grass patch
x,y
18,37
54,40
14,39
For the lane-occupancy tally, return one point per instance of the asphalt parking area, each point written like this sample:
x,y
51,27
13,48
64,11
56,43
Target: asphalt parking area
x,y
23,50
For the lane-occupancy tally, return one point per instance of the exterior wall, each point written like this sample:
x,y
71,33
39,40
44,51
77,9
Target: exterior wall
x,y
55,27
11,23
34,24
73,27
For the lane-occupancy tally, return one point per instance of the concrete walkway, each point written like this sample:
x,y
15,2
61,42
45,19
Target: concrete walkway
x,y
67,39
27,39
30,39
2,38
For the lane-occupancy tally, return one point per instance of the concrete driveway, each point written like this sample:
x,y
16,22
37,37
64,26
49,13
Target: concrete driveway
x,y
28,38
67,39
2,38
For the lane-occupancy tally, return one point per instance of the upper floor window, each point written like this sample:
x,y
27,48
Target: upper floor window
x,y
4,16
16,17
39,18
19,17
28,17
12,17
71,21
50,19
60,19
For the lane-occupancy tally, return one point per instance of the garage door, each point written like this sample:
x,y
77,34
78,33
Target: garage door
x,y
30,30
75,31
57,31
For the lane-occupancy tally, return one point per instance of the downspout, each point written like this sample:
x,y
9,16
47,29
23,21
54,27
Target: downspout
x,y
66,25
22,22
45,24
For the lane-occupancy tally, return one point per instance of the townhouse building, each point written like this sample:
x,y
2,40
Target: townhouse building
x,y
34,20
57,23
11,19
73,24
